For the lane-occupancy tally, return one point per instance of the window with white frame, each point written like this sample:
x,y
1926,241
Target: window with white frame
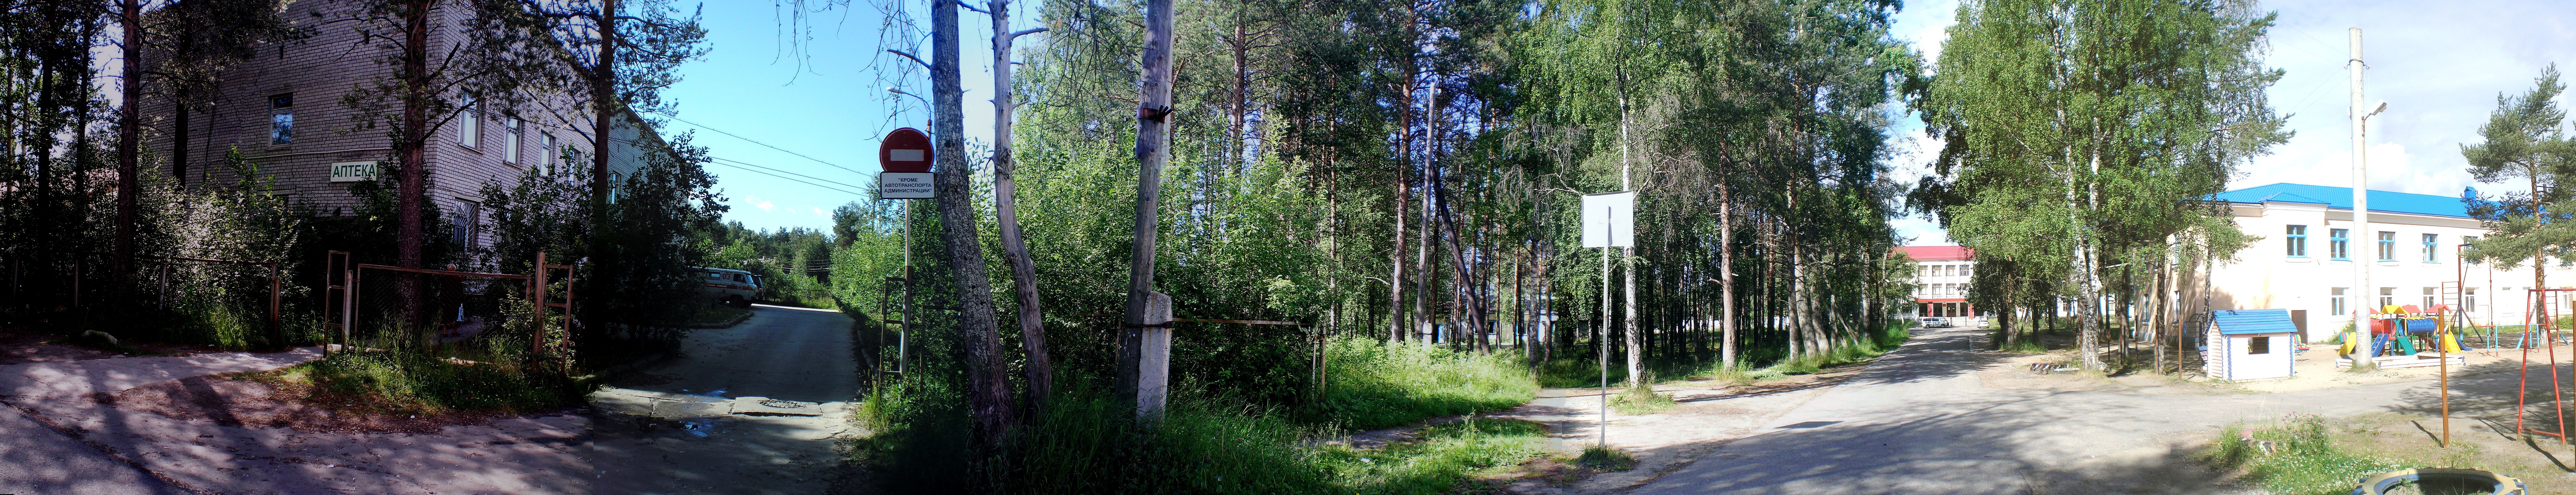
x,y
2337,300
469,130
281,119
510,148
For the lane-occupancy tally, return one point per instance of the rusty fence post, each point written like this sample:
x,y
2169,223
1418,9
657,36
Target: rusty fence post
x,y
537,300
276,333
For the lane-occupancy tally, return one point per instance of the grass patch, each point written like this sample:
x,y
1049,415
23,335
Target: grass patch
x,y
1371,384
717,314
2303,459
1641,399
411,383
1205,445
1606,459
1442,457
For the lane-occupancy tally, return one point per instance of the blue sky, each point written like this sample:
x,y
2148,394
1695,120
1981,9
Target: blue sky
x,y
833,108
2438,65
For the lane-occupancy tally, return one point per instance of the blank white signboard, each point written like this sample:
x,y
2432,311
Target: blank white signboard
x,y
1609,219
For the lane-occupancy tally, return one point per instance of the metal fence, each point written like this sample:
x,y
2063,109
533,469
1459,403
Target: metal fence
x,y
372,305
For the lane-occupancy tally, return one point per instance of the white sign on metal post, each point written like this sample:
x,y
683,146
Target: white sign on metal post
x,y
905,185
1609,219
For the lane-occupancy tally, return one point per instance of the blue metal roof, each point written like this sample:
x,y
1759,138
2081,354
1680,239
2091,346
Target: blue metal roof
x,y
2340,198
2245,321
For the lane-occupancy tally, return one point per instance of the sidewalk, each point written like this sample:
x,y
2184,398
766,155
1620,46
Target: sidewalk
x,y
510,456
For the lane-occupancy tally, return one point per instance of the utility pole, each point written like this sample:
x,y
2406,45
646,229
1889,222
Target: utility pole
x,y
2361,289
1145,334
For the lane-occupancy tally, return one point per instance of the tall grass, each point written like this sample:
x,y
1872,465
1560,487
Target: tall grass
x,y
1371,384
1211,442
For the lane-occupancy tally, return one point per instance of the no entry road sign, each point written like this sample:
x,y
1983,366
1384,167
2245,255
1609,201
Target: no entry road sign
x,y
905,155
905,150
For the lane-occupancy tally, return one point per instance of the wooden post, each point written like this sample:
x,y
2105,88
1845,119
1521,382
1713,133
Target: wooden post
x,y
1144,357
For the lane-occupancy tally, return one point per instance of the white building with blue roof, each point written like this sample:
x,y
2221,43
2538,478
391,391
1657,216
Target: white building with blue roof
x,y
2304,260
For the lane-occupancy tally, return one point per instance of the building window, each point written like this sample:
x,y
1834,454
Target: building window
x,y
1966,270
470,132
2387,246
510,149
2338,246
2297,241
468,220
552,156
2337,301
2387,297
2258,345
2429,239
2469,240
2428,300
281,119
2469,299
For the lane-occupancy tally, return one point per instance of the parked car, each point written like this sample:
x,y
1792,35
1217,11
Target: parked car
x,y
735,288
1936,322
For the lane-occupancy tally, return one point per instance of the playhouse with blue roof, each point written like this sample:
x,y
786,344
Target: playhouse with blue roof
x,y
2251,344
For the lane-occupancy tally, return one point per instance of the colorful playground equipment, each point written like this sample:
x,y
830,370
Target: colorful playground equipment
x,y
2401,336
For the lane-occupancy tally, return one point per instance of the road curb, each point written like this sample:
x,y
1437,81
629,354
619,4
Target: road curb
x,y
746,315
611,372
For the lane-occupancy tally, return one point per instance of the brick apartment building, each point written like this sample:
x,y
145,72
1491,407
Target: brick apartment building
x,y
283,110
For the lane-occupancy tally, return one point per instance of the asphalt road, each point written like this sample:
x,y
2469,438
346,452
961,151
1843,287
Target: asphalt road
x,y
1919,421
674,428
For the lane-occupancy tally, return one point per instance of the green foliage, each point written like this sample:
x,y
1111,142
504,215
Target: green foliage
x,y
2054,167
2304,459
2525,138
1372,384
1085,443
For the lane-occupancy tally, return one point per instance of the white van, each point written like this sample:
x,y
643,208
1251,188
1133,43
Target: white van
x,y
735,288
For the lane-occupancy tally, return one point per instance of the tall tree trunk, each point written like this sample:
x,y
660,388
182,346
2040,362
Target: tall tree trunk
x,y
604,107
988,389
1145,339
1024,277
1395,318
411,180
129,134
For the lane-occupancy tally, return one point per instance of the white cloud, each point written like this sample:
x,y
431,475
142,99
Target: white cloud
x,y
756,202
818,211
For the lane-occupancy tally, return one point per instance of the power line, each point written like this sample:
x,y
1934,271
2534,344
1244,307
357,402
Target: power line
x,y
790,179
739,136
740,162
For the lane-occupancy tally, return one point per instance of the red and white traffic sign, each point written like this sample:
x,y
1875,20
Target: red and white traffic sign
x,y
905,155
905,150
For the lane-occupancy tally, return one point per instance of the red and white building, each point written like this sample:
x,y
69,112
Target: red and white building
x,y
1941,279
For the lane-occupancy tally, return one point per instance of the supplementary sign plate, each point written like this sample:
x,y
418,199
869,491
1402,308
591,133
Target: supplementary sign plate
x,y
905,185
